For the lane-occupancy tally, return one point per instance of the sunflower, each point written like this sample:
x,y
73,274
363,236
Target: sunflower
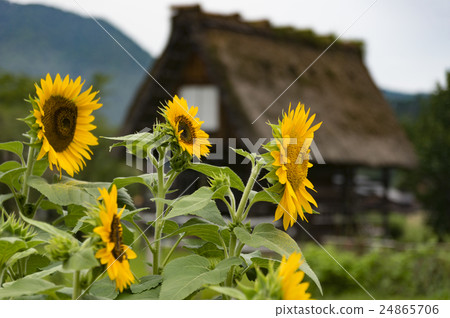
x,y
187,127
291,161
64,118
291,278
115,254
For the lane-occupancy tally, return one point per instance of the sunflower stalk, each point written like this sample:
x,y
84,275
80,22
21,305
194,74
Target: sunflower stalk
x,y
161,194
76,285
30,164
240,217
232,251
169,254
142,233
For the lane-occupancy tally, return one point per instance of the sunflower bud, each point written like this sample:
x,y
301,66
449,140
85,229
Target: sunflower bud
x,y
267,286
61,248
16,227
220,185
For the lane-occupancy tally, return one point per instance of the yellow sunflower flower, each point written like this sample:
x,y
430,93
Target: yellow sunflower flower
x,y
116,254
291,278
291,162
187,127
64,118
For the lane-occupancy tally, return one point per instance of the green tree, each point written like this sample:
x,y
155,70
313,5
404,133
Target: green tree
x,y
431,136
13,90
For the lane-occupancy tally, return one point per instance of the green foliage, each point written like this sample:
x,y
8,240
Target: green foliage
x,y
212,171
414,273
82,259
14,147
200,204
197,272
28,286
62,193
13,90
276,240
431,136
196,227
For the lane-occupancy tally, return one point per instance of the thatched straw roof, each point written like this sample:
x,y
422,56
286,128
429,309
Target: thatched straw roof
x,y
252,63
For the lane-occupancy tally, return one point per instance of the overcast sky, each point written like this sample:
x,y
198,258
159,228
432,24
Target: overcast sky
x,y
407,41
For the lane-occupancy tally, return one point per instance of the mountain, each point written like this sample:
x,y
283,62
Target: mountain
x,y
36,40
405,106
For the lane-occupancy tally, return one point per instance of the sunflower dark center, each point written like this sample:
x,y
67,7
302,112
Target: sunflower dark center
x,y
187,134
297,167
60,121
116,238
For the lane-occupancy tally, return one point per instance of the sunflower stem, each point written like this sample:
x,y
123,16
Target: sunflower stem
x,y
251,181
231,253
28,172
166,259
159,213
169,182
76,285
143,235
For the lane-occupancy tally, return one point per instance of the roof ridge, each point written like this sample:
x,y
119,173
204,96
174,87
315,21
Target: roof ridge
x,y
235,22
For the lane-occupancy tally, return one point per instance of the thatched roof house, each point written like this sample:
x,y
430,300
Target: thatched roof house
x,y
247,65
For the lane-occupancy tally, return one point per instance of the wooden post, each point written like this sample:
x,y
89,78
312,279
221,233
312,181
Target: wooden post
x,y
348,200
385,179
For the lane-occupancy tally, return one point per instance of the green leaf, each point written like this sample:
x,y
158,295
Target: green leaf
x,y
128,215
264,262
83,259
10,246
191,203
151,294
169,226
211,213
39,167
74,217
206,231
212,171
267,235
47,272
104,288
5,197
14,147
63,193
11,177
123,197
264,196
139,144
248,257
128,234
9,165
27,286
146,283
229,291
208,250
48,228
145,179
20,255
195,274
246,154
221,192
198,203
47,205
